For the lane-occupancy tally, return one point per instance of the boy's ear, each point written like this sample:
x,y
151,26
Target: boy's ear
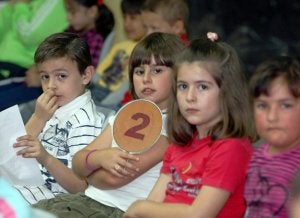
x,y
88,74
178,27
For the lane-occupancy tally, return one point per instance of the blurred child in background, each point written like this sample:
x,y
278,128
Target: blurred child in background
x,y
92,20
275,89
111,79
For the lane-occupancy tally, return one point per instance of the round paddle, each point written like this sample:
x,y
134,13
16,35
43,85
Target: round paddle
x,y
137,126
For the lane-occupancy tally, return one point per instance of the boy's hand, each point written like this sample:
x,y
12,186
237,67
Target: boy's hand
x,y
46,105
32,148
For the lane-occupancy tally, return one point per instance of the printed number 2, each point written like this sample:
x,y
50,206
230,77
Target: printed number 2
x,y
133,131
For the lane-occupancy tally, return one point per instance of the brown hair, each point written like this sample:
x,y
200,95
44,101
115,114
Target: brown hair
x,y
225,67
65,45
170,10
283,66
163,47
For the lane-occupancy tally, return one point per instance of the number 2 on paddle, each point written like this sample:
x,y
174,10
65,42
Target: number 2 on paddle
x,y
133,131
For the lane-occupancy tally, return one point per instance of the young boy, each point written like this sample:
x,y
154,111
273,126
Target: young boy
x,y
275,89
65,118
111,79
168,16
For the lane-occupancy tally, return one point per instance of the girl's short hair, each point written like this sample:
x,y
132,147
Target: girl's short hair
x,y
64,44
162,47
283,66
224,65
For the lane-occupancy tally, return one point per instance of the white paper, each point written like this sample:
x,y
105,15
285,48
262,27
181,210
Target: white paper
x,y
15,169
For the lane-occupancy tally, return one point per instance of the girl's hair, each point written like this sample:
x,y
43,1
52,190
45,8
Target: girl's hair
x,y
162,47
132,6
105,21
224,65
283,66
64,44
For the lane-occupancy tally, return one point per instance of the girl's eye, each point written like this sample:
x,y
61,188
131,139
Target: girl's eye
x,y
157,70
202,87
181,86
260,105
286,105
138,71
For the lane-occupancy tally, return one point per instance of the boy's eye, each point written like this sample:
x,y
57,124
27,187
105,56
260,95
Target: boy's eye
x,y
44,76
61,76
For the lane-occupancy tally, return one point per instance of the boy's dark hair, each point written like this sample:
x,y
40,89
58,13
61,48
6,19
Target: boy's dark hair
x,y
64,44
105,21
222,61
132,6
271,69
170,10
162,47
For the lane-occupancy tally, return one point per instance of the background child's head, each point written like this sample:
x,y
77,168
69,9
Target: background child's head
x,y
85,15
221,61
160,47
169,16
275,91
133,24
64,63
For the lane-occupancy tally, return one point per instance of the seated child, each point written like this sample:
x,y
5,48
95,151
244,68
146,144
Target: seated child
x,y
209,126
111,79
275,90
65,119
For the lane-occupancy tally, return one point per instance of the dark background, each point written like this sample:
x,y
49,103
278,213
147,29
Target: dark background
x,y
258,29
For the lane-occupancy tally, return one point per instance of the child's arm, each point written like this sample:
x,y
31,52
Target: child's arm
x,y
62,174
208,203
44,109
158,192
99,166
107,179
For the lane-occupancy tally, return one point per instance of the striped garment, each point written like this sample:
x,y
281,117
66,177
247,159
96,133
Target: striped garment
x,y
268,183
71,128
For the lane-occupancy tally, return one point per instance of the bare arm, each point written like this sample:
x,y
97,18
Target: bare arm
x,y
106,158
62,174
208,204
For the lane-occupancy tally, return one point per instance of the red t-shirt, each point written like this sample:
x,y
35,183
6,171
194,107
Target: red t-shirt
x,y
221,163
